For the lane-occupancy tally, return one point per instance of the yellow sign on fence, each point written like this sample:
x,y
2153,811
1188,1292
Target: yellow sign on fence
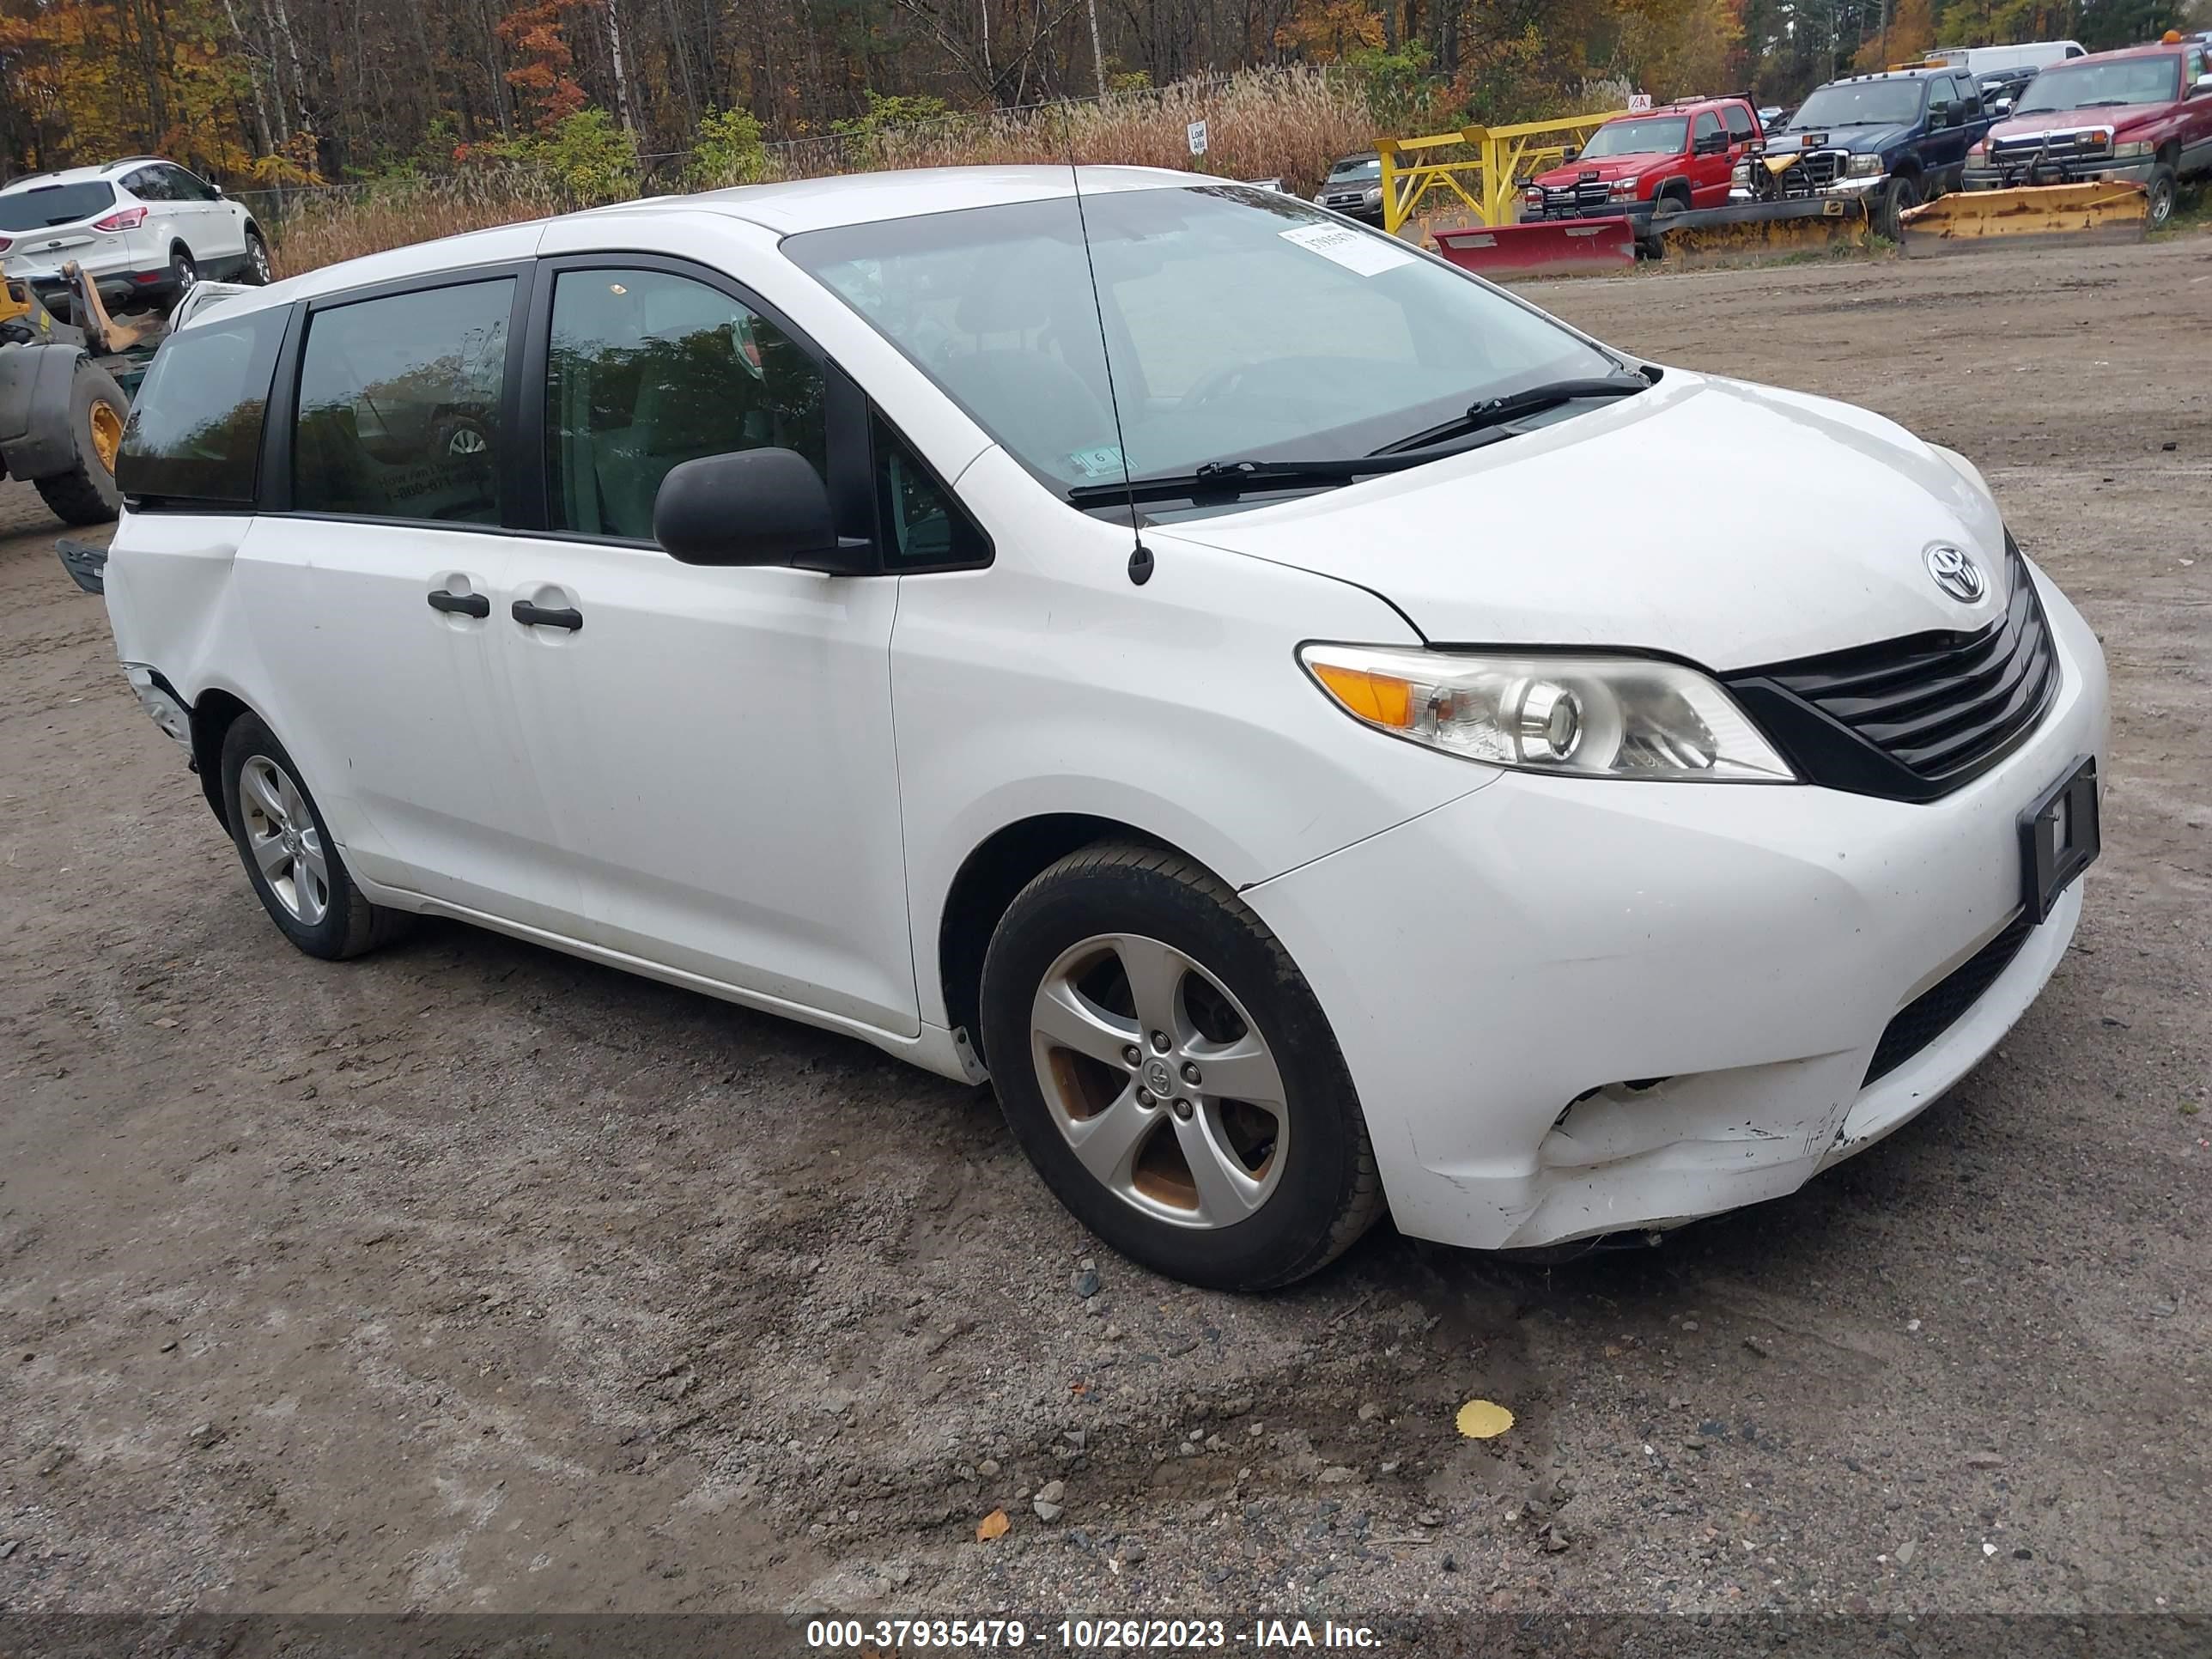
x,y
1486,181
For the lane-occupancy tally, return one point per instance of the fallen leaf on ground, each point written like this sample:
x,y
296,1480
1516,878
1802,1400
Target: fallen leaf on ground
x,y
992,1525
1483,1420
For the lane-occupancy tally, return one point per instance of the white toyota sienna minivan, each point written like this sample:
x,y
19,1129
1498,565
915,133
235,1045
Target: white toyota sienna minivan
x,y
1272,703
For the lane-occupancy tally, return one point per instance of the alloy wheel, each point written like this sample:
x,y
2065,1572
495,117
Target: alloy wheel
x,y
1160,1081
281,836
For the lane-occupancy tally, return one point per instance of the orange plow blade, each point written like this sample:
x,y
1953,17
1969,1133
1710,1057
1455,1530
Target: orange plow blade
x,y
2115,210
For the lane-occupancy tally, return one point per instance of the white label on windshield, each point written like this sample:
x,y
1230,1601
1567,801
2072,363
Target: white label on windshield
x,y
1103,462
1355,250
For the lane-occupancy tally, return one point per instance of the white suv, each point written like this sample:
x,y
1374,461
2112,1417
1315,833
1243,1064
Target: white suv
x,y
1163,645
144,229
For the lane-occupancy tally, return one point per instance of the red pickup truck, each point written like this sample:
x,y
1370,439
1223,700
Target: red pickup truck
x,y
2143,114
1649,164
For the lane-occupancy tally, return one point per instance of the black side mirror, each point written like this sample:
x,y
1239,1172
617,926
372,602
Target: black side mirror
x,y
754,506
1572,152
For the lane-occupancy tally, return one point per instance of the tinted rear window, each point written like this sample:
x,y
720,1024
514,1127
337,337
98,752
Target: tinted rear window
x,y
195,431
42,205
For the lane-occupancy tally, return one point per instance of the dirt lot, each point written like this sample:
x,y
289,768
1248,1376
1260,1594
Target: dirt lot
x,y
472,1277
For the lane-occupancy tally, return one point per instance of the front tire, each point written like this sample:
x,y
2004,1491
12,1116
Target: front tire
x,y
1897,197
87,492
290,859
1168,1072
2160,192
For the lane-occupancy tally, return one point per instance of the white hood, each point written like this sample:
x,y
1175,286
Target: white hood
x,y
1728,523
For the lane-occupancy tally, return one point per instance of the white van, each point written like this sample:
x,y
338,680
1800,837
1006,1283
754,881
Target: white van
x,y
1153,646
2036,54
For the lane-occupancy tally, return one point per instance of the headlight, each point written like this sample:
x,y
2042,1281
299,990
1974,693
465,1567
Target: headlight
x,y
1532,197
1599,717
1741,174
1624,188
1978,151
1863,166
2132,152
1374,195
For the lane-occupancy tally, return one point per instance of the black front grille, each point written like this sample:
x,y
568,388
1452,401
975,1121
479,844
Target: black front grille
x,y
2056,145
1915,718
1821,168
1940,1008
1570,201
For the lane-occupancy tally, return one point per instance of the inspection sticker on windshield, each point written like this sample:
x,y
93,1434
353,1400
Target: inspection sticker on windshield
x,y
1352,249
1105,461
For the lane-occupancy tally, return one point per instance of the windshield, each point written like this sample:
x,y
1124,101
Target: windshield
x,y
43,205
1860,104
1350,172
1662,135
1245,326
2123,81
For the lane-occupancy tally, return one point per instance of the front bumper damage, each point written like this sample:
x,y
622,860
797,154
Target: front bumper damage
x,y
1628,1005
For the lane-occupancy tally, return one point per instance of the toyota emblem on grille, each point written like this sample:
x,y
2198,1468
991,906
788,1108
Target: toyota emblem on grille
x,y
1955,573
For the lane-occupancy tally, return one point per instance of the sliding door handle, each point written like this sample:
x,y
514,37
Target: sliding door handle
x,y
538,616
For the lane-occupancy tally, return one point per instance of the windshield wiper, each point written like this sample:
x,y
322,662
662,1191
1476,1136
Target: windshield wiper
x,y
1227,480
1490,412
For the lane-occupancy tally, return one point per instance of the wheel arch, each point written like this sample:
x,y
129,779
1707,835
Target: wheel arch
x,y
213,716
986,883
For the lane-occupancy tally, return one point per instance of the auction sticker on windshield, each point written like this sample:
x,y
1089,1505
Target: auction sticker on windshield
x,y
1355,250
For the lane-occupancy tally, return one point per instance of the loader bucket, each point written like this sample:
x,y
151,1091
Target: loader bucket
x,y
1561,247
1761,230
2028,215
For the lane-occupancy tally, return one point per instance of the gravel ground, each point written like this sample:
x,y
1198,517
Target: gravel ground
x,y
470,1277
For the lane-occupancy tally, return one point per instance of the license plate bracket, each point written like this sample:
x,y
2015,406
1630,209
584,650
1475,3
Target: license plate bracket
x,y
2059,838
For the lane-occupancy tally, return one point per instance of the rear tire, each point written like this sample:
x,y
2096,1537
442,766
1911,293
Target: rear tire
x,y
184,275
257,271
87,493
291,861
2160,192
1232,1191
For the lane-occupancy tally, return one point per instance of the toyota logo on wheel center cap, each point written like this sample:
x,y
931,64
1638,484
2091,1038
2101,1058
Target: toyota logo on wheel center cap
x,y
1955,573
1161,1080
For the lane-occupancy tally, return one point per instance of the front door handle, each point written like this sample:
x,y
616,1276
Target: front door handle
x,y
461,605
538,616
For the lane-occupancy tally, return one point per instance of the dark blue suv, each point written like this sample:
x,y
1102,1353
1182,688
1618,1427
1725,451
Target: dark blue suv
x,y
1894,139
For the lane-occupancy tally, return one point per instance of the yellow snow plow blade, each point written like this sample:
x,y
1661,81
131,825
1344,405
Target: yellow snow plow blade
x,y
2114,211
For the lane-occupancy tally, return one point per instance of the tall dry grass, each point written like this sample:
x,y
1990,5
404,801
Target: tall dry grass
x,y
321,227
1261,123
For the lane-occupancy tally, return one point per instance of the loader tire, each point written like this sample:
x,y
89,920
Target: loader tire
x,y
86,493
2159,192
